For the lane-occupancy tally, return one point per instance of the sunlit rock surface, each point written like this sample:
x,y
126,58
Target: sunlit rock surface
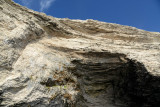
x,y
52,62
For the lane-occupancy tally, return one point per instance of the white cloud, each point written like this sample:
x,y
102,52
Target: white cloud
x,y
45,4
26,2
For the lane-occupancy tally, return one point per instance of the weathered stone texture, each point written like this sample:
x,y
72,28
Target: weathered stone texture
x,y
53,62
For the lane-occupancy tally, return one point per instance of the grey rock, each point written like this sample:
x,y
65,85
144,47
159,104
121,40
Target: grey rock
x,y
54,62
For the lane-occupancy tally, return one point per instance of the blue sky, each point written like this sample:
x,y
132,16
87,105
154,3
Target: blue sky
x,y
143,14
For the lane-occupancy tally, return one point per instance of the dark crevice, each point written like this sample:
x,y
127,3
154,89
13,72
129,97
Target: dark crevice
x,y
1,98
115,83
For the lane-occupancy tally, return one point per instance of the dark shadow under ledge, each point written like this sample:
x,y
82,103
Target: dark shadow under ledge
x,y
112,80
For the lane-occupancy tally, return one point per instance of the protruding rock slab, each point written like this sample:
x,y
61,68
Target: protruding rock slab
x,y
52,62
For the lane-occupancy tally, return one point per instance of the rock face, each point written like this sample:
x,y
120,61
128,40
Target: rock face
x,y
52,62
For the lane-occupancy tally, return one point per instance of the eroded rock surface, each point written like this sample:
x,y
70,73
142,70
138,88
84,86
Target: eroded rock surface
x,y
52,62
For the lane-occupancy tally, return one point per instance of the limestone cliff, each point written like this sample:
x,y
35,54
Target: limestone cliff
x,y
52,62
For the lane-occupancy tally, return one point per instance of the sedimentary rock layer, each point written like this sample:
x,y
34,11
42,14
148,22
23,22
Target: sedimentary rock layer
x,y
54,62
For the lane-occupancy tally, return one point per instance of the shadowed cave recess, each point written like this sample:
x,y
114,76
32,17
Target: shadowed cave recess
x,y
112,80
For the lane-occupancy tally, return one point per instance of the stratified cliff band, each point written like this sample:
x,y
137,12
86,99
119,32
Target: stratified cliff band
x,y
53,62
